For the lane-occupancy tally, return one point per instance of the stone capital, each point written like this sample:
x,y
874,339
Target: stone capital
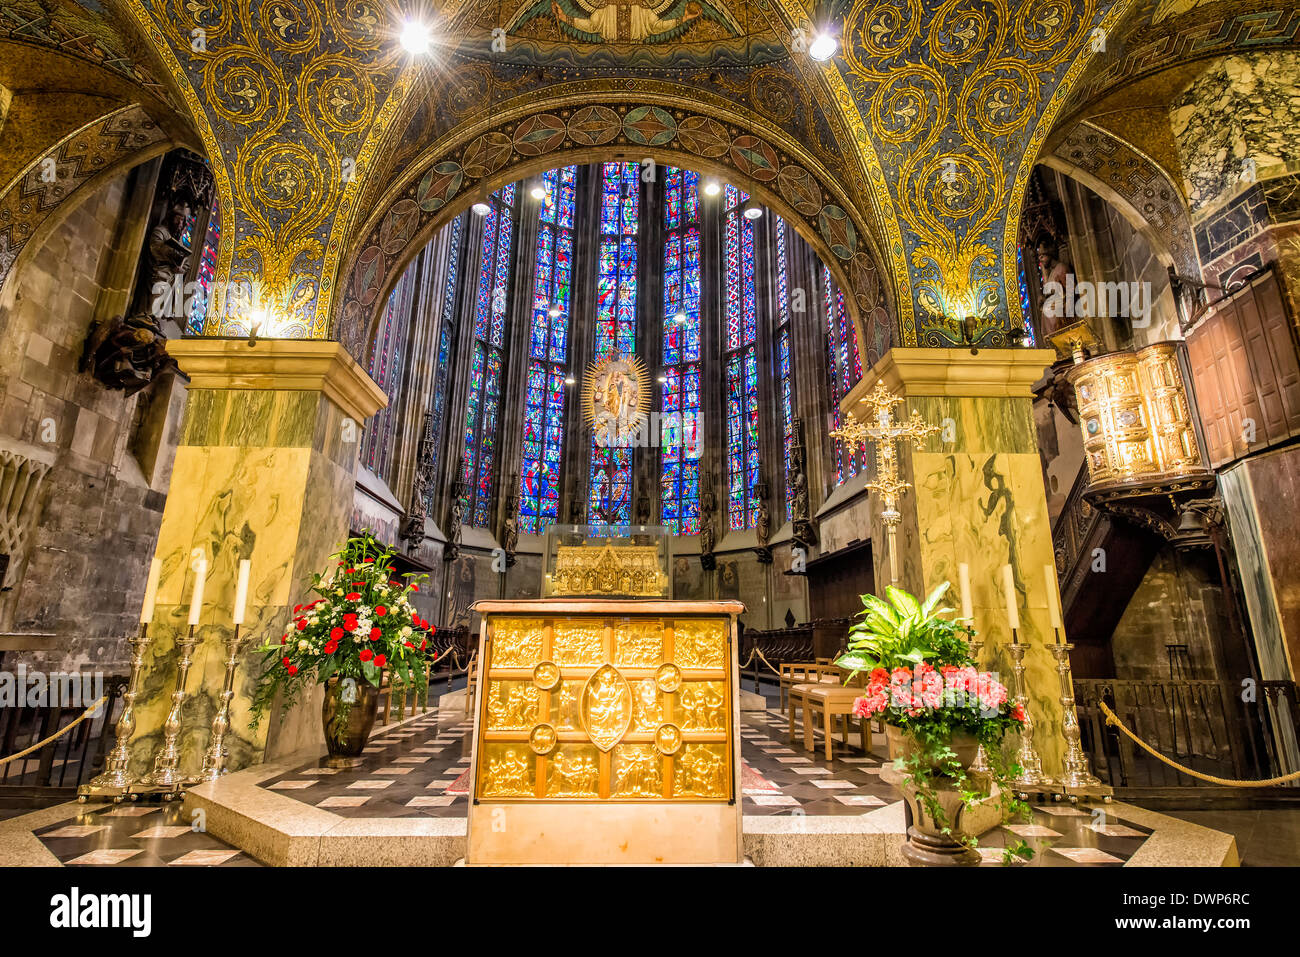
x,y
954,372
299,365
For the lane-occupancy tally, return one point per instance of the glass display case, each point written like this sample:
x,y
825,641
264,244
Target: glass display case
x,y
606,561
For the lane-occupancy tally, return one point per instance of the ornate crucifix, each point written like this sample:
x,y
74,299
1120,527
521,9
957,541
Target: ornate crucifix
x,y
880,428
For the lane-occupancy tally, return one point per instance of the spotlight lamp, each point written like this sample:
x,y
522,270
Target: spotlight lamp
x,y
823,45
538,192
569,380
481,207
752,210
554,311
680,318
712,187
416,37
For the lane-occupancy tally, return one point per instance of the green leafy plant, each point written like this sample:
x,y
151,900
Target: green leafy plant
x,y
923,681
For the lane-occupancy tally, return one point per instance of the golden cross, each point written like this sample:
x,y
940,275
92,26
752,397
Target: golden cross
x,y
880,428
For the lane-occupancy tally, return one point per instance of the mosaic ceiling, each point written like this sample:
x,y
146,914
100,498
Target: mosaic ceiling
x,y
904,160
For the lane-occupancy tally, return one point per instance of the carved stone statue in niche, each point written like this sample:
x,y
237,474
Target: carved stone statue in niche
x,y
762,525
126,353
421,486
1052,270
455,515
510,529
708,535
805,531
643,509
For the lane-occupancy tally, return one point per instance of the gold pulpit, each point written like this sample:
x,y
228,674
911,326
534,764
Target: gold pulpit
x,y
605,732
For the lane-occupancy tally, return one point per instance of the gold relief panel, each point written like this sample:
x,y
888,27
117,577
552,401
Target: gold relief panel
x,y
701,771
701,706
638,771
512,705
573,770
578,643
647,705
507,770
638,644
565,705
606,707
700,644
516,642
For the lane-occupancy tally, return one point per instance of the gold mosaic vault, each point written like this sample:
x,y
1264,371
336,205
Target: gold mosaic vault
x,y
606,708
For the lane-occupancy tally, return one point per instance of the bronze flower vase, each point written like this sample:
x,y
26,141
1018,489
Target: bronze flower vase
x,y
347,716
926,843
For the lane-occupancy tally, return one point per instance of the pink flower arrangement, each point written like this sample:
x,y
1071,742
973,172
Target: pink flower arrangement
x,y
913,691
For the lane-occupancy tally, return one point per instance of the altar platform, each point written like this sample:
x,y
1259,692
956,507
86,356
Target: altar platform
x,y
407,805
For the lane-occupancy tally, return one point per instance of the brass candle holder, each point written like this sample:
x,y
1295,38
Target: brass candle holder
x,y
116,780
981,763
1031,776
1076,777
166,777
214,759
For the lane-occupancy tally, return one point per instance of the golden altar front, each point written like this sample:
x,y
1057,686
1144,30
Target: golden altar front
x,y
605,732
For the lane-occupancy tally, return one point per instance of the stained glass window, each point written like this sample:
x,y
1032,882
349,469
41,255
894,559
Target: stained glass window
x,y
741,363
385,367
482,411
1025,307
446,330
548,354
784,362
843,368
610,476
680,431
207,268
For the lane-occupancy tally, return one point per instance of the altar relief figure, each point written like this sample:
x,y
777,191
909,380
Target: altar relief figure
x,y
572,774
638,771
512,706
698,772
509,775
648,711
701,706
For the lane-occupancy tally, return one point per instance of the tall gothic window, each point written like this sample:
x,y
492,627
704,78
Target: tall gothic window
x,y
207,267
784,362
680,471
1026,309
843,368
610,476
385,368
483,409
548,354
741,363
446,330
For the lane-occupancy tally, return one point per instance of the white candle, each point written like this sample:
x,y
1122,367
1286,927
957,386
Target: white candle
x,y
1053,599
1013,613
151,592
963,585
196,600
241,592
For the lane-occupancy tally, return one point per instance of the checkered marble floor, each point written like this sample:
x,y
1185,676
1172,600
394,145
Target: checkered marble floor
x,y
138,835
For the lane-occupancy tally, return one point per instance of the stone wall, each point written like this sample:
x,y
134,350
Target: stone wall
x,y
85,568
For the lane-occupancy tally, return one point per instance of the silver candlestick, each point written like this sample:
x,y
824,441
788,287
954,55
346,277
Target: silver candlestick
x,y
116,780
166,776
214,759
1076,776
981,763
1031,777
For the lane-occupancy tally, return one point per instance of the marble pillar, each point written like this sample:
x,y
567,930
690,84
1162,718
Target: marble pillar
x,y
977,497
265,470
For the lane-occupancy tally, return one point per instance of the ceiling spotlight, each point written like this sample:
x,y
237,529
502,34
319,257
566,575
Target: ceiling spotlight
x,y
481,207
416,38
553,312
753,210
680,318
662,379
538,192
823,46
712,188
569,380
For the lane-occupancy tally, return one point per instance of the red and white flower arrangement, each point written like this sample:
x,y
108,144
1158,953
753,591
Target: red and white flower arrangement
x,y
362,623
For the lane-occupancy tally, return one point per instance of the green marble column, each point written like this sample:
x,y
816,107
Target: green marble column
x,y
977,497
264,470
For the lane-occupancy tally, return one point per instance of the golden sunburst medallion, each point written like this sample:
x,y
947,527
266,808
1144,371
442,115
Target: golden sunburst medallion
x,y
616,398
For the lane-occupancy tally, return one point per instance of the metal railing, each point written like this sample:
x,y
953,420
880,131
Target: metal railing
x,y
65,762
1219,728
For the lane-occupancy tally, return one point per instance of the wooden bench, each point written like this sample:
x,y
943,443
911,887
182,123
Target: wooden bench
x,y
798,673
827,701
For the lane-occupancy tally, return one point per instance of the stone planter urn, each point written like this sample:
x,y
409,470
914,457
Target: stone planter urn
x,y
347,716
926,843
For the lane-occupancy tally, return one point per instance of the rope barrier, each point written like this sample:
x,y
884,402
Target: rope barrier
x,y
762,657
57,734
1113,719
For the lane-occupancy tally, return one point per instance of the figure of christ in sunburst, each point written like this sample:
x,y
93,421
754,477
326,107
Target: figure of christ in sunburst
x,y
639,21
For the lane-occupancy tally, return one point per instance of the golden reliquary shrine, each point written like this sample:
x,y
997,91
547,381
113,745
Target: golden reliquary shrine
x,y
605,727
